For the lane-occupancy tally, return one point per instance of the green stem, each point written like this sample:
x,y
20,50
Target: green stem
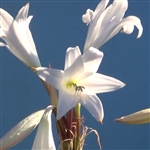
x,y
78,125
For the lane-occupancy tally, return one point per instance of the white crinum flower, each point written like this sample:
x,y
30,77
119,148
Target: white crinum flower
x,y
44,137
104,23
18,38
79,82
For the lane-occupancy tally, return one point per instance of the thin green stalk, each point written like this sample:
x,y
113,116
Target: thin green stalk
x,y
78,125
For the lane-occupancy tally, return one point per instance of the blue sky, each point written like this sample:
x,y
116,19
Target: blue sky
x,y
57,25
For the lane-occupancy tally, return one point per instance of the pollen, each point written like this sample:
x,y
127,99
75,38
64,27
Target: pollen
x,y
70,84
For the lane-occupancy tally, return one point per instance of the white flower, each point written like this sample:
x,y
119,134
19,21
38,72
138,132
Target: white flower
x,y
105,23
44,138
18,38
79,82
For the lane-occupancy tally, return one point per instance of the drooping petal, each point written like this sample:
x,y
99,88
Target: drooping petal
x,y
44,136
140,117
93,104
126,26
92,18
51,76
98,83
92,59
71,54
66,102
75,70
109,19
21,130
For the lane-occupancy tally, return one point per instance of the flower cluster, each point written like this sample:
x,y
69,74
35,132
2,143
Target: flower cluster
x,y
78,84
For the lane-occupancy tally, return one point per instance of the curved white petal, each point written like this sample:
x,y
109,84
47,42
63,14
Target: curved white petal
x,y
71,54
92,59
51,76
98,83
75,70
88,16
128,23
92,18
93,104
21,130
44,137
108,20
66,102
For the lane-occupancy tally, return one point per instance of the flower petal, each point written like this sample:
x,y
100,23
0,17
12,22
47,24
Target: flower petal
x,y
93,104
44,136
140,117
21,130
128,22
75,70
92,18
108,21
71,54
21,18
92,59
66,102
18,37
51,76
98,83
6,19
23,13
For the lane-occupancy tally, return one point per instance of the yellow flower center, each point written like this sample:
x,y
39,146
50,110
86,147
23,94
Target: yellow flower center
x,y
73,85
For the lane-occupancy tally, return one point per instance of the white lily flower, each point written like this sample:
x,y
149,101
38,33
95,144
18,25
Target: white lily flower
x,y
79,82
104,23
18,38
44,137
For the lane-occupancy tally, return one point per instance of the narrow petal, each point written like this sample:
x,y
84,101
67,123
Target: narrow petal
x,y
66,102
93,104
23,13
98,83
51,76
92,59
101,6
21,130
6,19
140,117
75,70
108,21
21,18
92,31
71,55
44,136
